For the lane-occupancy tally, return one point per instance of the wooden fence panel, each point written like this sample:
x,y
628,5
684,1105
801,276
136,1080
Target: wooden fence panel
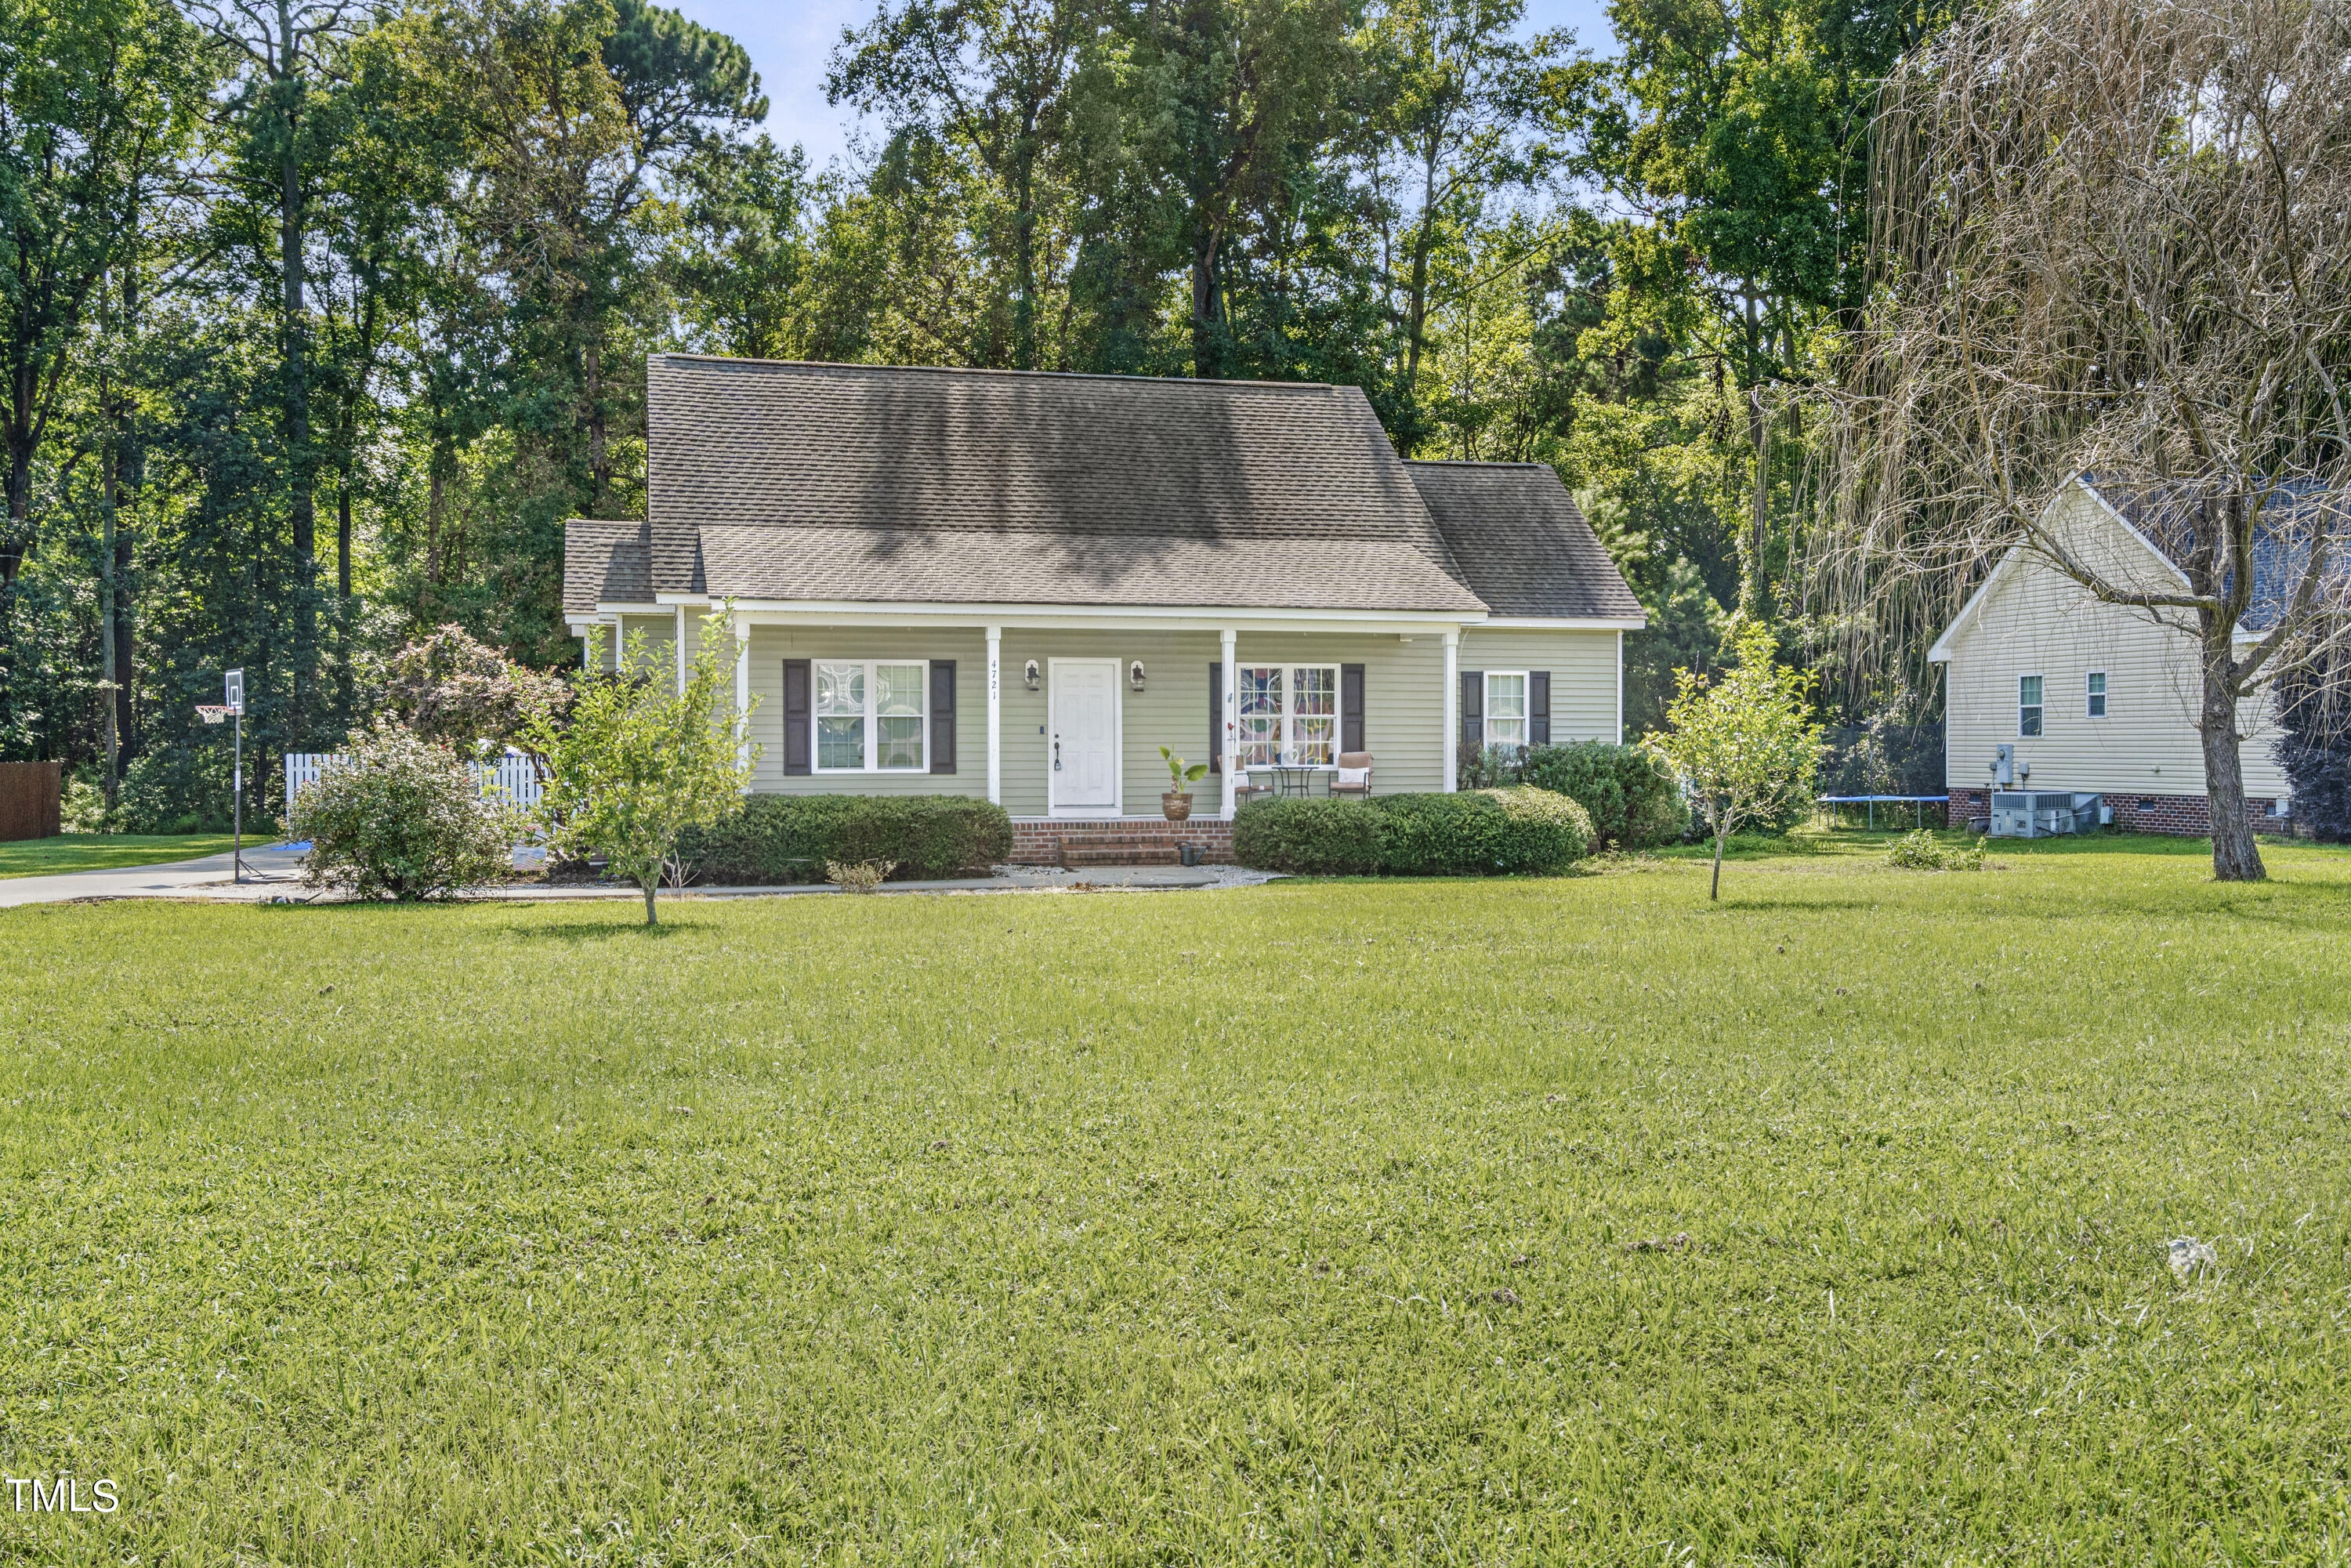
x,y
32,795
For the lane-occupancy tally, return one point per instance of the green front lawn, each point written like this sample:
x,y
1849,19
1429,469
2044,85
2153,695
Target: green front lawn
x,y
107,851
1536,1221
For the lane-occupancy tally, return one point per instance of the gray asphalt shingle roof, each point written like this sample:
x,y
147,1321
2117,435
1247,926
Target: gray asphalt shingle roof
x,y
1520,542
772,480
606,562
2294,516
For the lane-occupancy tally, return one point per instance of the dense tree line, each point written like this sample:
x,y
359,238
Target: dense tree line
x,y
321,317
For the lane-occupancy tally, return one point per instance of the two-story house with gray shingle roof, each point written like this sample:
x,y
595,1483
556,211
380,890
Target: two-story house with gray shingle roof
x,y
1023,585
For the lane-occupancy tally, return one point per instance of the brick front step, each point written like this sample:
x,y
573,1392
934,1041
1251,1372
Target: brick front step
x,y
1073,858
1118,840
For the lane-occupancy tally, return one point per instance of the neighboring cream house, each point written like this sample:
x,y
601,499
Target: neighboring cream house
x,y
2090,695
1022,585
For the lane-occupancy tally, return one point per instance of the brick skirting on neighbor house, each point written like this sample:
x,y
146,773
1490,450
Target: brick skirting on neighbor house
x,y
1147,841
2183,815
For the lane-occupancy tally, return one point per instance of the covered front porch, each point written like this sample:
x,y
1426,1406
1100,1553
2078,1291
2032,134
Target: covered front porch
x,y
1057,712
1059,716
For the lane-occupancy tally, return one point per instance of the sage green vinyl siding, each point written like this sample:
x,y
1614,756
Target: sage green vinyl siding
x,y
1404,705
1403,697
771,645
655,635
1584,672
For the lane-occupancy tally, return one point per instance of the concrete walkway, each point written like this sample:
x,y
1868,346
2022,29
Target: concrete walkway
x,y
276,873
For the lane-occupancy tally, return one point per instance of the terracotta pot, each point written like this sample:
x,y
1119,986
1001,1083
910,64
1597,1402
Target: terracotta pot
x,y
1178,807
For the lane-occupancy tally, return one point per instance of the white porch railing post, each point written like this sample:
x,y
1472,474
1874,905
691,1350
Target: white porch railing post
x,y
996,715
1452,709
1226,639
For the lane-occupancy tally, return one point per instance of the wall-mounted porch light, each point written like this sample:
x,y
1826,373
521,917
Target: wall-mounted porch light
x,y
1029,674
1135,675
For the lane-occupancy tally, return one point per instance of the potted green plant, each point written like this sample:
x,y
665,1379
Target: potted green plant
x,y
1178,802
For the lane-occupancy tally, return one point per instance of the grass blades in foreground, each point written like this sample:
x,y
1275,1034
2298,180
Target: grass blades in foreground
x,y
1291,1224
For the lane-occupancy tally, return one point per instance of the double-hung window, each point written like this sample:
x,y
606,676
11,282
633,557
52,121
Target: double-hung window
x,y
2097,694
1288,713
2027,705
869,717
1506,708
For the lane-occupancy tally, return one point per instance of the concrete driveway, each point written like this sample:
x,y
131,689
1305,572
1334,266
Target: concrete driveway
x,y
267,869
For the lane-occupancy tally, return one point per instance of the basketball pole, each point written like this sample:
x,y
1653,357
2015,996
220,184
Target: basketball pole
x,y
236,794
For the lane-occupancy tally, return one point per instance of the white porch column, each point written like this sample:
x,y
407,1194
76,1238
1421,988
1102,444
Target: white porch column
x,y
1619,688
1452,708
1231,758
680,643
587,650
743,693
996,715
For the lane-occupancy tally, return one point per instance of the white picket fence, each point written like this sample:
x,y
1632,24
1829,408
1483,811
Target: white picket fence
x,y
511,774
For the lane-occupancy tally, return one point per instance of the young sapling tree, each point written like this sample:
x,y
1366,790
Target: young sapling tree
x,y
1744,742
639,763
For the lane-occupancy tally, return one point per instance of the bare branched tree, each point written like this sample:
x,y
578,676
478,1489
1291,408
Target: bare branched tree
x,y
2115,238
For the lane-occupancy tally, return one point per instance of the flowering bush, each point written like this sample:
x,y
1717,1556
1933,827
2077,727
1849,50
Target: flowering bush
x,y
402,819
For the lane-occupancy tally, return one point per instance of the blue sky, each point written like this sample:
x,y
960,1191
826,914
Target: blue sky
x,y
790,43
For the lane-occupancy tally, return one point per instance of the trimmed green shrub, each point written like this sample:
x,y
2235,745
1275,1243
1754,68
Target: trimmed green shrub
x,y
778,838
1628,791
1316,838
402,818
1482,833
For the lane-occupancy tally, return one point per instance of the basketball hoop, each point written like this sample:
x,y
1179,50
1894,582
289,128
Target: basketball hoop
x,y
212,713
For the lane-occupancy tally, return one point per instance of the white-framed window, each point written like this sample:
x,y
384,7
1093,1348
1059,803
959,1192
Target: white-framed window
x,y
2027,705
1288,713
871,716
1506,707
2094,700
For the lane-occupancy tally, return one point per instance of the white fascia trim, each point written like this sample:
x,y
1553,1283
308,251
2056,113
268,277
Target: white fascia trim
x,y
1178,618
628,607
685,599
1565,623
1941,653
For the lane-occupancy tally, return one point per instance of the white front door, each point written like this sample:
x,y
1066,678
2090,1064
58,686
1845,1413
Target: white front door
x,y
1082,769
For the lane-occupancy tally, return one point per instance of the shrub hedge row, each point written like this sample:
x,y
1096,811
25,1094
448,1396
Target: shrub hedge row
x,y
776,838
1628,791
1478,833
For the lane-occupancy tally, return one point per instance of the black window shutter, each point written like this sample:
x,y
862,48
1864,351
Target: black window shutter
x,y
942,745
1538,708
1351,708
1473,713
1216,718
796,716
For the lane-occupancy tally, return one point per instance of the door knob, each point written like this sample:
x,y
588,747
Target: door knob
x,y
1057,754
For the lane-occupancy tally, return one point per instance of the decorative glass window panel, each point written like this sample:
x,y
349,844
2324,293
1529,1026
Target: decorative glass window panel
x,y
2027,705
2098,694
898,715
870,716
1315,715
839,717
1506,710
1260,717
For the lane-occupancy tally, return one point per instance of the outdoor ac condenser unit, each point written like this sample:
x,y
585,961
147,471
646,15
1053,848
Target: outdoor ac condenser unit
x,y
2041,813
